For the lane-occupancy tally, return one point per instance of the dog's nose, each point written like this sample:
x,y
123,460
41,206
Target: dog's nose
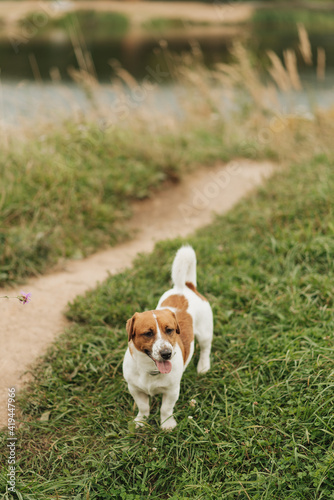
x,y
166,354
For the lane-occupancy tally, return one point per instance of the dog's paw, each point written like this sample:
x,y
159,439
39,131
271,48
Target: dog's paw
x,y
203,365
140,422
169,424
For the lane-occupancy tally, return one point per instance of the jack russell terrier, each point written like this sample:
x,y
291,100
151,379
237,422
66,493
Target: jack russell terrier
x,y
161,342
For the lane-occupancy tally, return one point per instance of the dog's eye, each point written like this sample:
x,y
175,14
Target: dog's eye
x,y
148,334
169,330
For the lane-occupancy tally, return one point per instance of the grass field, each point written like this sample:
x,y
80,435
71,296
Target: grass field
x,y
262,426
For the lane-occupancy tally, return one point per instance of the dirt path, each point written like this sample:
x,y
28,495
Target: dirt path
x,y
27,330
137,11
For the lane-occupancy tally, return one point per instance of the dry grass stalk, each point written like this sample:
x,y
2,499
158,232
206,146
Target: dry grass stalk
x,y
79,54
86,75
249,76
227,74
55,74
242,74
304,44
90,64
278,72
124,75
321,63
290,60
34,67
83,78
4,136
83,56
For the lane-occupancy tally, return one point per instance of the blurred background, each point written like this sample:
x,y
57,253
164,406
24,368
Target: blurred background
x,y
54,55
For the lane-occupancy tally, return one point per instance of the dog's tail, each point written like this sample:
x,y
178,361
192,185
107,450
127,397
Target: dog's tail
x,y
184,267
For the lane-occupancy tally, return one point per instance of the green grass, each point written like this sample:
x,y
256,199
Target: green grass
x,y
163,24
278,19
263,424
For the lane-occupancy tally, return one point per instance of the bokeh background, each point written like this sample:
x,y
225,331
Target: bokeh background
x,y
53,54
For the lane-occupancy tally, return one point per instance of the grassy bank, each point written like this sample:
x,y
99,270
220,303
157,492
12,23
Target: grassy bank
x,y
262,425
69,192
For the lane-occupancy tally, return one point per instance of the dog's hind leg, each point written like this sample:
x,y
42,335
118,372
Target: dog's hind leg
x,y
204,334
204,357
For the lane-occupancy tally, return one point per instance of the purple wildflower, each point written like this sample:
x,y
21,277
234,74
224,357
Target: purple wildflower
x,y
24,297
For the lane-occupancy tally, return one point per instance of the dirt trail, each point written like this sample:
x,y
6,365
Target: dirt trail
x,y
27,330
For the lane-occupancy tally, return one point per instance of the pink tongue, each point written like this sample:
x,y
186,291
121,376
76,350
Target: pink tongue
x,y
164,366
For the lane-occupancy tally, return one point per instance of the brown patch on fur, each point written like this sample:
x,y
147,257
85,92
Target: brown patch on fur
x,y
185,321
144,322
130,326
139,324
194,289
167,320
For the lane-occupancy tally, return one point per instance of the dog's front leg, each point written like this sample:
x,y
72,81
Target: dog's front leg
x,y
143,403
166,412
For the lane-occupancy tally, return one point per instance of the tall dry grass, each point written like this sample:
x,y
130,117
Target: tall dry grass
x,y
256,115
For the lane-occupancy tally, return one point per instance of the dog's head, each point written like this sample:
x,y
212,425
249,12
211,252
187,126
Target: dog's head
x,y
154,333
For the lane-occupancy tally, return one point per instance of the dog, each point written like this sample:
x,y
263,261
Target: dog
x,y
161,342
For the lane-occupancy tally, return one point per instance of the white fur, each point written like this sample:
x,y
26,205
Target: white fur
x,y
160,343
184,267
138,367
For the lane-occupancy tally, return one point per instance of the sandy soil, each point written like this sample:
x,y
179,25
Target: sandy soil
x,y
27,330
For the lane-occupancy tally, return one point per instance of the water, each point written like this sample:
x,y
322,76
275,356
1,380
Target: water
x,y
27,101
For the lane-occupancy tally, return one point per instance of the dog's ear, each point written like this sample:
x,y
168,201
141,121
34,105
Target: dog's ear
x,y
177,327
130,327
